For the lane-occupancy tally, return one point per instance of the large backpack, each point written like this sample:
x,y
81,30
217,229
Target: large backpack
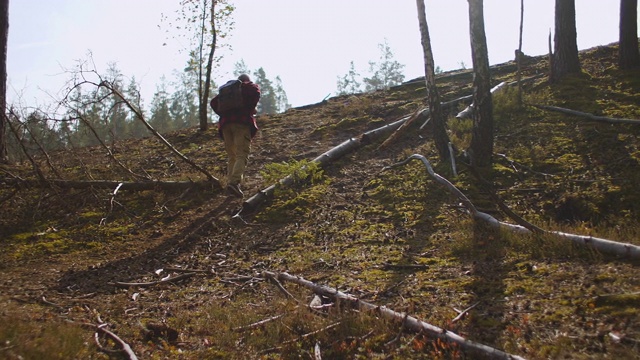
x,y
230,97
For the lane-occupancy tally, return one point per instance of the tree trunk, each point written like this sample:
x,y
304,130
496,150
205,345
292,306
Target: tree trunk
x,y
204,101
565,55
629,56
4,36
440,133
482,137
520,55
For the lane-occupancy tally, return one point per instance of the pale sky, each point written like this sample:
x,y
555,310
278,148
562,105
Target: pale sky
x,y
308,43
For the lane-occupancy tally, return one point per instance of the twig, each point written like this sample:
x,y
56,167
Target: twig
x,y
464,312
496,199
301,337
257,324
453,160
45,301
125,347
152,283
175,269
512,162
402,327
281,288
388,266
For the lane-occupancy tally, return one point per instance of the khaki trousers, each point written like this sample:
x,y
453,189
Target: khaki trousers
x,y
237,142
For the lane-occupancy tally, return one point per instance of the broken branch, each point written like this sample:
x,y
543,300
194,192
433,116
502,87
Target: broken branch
x,y
152,283
587,115
409,321
599,244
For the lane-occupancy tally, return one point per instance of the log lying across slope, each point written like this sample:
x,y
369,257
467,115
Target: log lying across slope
x,y
408,321
588,116
346,147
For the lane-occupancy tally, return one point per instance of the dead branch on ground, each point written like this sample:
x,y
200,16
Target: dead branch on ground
x,y
603,245
302,337
466,113
110,153
587,115
152,283
488,187
409,321
124,347
282,288
412,118
257,324
463,313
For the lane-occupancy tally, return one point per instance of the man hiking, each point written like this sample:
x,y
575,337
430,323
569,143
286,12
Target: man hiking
x,y
236,105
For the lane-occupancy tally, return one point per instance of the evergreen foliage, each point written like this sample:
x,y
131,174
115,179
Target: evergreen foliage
x,y
383,74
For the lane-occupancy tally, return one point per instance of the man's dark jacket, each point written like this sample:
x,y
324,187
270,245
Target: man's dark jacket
x,y
246,115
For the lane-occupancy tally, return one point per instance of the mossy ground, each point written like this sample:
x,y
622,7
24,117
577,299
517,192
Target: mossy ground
x,y
394,238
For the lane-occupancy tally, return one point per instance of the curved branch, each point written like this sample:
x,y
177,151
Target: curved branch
x,y
602,245
152,283
140,117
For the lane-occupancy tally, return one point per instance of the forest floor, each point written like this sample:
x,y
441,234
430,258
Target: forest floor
x,y
74,261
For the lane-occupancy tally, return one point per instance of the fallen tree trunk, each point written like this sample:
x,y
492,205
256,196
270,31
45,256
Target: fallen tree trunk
x,y
409,322
587,115
344,148
415,116
352,144
108,184
467,112
603,245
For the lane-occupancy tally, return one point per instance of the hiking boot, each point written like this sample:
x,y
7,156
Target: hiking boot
x,y
234,190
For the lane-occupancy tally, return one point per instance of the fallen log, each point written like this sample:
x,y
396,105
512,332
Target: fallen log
x,y
409,322
466,113
587,115
602,245
399,131
344,148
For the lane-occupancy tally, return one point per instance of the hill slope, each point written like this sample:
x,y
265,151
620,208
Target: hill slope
x,y
394,238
